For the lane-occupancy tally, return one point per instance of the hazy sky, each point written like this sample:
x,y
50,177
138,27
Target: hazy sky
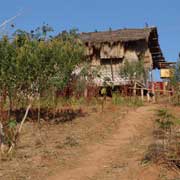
x,y
90,15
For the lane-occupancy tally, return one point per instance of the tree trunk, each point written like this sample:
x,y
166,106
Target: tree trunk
x,y
10,106
20,129
1,136
39,108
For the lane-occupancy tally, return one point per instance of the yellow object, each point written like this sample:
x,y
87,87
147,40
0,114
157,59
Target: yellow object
x,y
103,91
166,73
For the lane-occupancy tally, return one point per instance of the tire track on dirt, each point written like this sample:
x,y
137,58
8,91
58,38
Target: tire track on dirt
x,y
101,155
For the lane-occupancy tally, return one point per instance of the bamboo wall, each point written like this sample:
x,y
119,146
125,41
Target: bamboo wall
x,y
129,51
114,54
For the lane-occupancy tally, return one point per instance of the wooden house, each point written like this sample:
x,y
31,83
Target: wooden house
x,y
109,50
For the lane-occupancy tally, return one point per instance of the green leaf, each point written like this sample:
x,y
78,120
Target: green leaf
x,y
12,123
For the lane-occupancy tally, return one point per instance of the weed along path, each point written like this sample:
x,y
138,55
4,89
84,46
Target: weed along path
x,y
119,156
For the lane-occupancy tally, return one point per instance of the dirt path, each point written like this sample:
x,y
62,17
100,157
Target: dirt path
x,y
119,157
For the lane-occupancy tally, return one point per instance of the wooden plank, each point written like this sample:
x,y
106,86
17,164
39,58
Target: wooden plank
x,y
159,59
154,47
156,53
167,63
157,56
154,38
156,90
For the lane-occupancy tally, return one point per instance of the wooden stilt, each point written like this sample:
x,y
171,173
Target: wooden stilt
x,y
169,94
154,94
134,90
142,94
86,92
148,98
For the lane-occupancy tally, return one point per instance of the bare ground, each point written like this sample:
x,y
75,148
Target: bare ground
x,y
99,146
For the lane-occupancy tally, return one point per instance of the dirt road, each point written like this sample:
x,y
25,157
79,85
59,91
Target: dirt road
x,y
120,156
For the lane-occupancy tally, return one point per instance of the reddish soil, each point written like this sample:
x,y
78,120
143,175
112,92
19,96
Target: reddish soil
x,y
99,146
120,155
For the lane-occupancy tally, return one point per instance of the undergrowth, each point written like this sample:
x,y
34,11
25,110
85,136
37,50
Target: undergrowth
x,y
128,101
166,145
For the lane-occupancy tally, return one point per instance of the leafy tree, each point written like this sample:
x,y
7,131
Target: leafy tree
x,y
7,71
85,76
134,71
33,63
175,81
47,64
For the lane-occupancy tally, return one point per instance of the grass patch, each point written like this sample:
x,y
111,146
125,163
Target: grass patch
x,y
166,146
127,101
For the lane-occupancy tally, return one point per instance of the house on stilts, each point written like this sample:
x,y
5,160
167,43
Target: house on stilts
x,y
110,49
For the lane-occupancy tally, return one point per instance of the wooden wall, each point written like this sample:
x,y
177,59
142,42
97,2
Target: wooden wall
x,y
110,56
131,51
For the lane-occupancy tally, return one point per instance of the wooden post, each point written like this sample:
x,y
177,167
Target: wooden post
x,y
169,94
153,88
164,88
153,91
134,90
142,94
148,98
86,92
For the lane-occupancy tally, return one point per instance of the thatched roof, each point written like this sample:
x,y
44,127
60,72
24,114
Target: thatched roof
x,y
123,35
148,34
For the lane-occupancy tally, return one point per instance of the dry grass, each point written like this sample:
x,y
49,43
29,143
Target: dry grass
x,y
54,145
165,148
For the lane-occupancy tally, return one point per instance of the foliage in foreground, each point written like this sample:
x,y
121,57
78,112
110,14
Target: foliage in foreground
x,y
29,65
175,82
32,65
134,70
166,145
